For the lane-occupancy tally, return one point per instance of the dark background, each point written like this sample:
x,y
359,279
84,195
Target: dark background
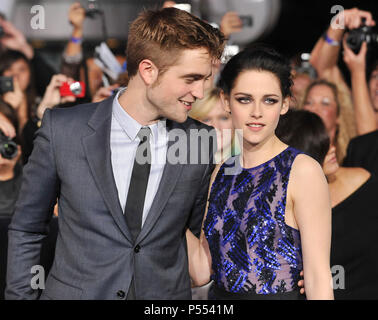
x,y
302,22
299,26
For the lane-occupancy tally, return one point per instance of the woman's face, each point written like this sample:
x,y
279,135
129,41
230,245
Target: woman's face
x,y
256,103
222,122
19,70
330,165
322,101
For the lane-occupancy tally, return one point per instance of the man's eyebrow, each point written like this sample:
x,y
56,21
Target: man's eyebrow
x,y
196,75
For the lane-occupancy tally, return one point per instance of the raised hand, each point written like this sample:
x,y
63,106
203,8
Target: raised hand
x,y
230,23
354,62
14,39
76,15
15,97
52,96
6,127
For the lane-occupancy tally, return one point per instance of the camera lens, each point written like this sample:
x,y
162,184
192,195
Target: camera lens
x,y
75,88
8,148
9,151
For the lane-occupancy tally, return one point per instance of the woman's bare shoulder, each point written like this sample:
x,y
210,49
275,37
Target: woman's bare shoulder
x,y
306,173
305,165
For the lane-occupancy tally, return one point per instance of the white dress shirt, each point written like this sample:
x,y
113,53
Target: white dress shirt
x,y
123,145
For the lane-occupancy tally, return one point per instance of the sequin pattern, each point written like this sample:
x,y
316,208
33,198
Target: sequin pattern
x,y
253,250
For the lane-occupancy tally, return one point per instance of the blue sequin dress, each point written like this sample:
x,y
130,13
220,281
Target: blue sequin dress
x,y
253,250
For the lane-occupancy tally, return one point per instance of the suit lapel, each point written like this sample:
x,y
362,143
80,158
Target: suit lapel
x,y
97,150
171,174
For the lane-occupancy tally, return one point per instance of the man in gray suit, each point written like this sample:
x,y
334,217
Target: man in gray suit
x,y
122,223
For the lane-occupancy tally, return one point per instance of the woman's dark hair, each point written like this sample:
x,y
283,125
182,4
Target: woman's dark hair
x,y
260,58
9,57
304,131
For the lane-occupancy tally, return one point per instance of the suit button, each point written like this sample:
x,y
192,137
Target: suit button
x,y
121,294
137,248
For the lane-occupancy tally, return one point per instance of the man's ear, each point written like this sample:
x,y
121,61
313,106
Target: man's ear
x,y
148,71
225,101
285,105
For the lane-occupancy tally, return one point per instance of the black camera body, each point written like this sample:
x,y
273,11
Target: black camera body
x,y
6,84
357,36
8,148
247,21
92,9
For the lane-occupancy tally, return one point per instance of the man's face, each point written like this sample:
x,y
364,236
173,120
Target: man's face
x,y
174,92
373,88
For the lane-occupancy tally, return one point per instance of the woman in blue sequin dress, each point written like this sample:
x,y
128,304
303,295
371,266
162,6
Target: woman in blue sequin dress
x,y
269,214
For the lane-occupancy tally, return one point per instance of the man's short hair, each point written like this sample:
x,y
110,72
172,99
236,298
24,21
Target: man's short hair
x,y
160,36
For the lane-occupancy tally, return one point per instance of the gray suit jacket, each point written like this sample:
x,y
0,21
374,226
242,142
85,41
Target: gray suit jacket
x,y
95,256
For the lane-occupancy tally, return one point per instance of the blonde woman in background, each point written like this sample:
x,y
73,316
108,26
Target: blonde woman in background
x,y
334,107
210,111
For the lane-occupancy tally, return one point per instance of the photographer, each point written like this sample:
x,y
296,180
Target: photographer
x,y
74,64
10,168
14,40
22,97
51,98
365,116
324,58
73,54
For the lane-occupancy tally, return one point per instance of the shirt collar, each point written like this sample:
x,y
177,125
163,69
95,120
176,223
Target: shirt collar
x,y
130,126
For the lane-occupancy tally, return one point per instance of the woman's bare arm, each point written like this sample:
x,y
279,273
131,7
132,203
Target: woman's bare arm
x,y
312,211
325,54
362,105
198,249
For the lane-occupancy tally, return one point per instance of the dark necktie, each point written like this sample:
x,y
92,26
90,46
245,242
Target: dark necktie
x,y
138,183
137,191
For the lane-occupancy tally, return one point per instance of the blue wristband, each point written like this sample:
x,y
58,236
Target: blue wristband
x,y
76,40
331,41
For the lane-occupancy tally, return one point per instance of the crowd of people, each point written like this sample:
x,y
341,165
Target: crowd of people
x,y
305,149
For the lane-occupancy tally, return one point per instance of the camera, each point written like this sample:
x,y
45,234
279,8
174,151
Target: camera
x,y
357,36
76,89
92,9
6,84
247,21
305,67
8,148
